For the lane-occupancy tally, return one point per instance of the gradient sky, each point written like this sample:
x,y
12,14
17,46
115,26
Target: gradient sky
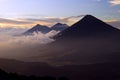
x,y
26,13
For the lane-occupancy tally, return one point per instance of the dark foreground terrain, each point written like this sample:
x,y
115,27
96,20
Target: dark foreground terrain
x,y
98,71
14,76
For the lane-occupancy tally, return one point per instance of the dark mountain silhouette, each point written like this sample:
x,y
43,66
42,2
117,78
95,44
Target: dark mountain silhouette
x,y
38,27
45,29
87,27
59,27
90,40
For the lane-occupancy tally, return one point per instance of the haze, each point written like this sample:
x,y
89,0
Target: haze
x,y
20,13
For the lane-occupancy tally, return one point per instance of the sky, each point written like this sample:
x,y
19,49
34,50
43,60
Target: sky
x,y
27,13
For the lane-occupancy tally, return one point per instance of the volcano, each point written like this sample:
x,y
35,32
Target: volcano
x,y
89,26
37,28
59,27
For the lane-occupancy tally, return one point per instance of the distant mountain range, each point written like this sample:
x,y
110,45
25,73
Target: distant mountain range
x,y
45,29
59,27
90,40
36,28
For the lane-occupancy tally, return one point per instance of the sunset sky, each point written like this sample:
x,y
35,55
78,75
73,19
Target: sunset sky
x,y
26,13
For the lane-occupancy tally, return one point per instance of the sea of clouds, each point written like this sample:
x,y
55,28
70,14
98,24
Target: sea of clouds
x,y
15,46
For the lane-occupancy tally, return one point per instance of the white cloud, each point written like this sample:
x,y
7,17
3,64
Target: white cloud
x,y
22,46
115,2
8,35
115,23
29,22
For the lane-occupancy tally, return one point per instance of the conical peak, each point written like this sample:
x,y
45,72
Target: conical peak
x,y
89,18
38,25
89,25
90,21
59,24
89,15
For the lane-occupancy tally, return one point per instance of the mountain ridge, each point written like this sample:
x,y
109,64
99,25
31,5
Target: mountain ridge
x,y
88,26
45,29
59,27
36,28
80,46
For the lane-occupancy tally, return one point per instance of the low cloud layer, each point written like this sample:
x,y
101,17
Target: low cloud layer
x,y
12,35
12,46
